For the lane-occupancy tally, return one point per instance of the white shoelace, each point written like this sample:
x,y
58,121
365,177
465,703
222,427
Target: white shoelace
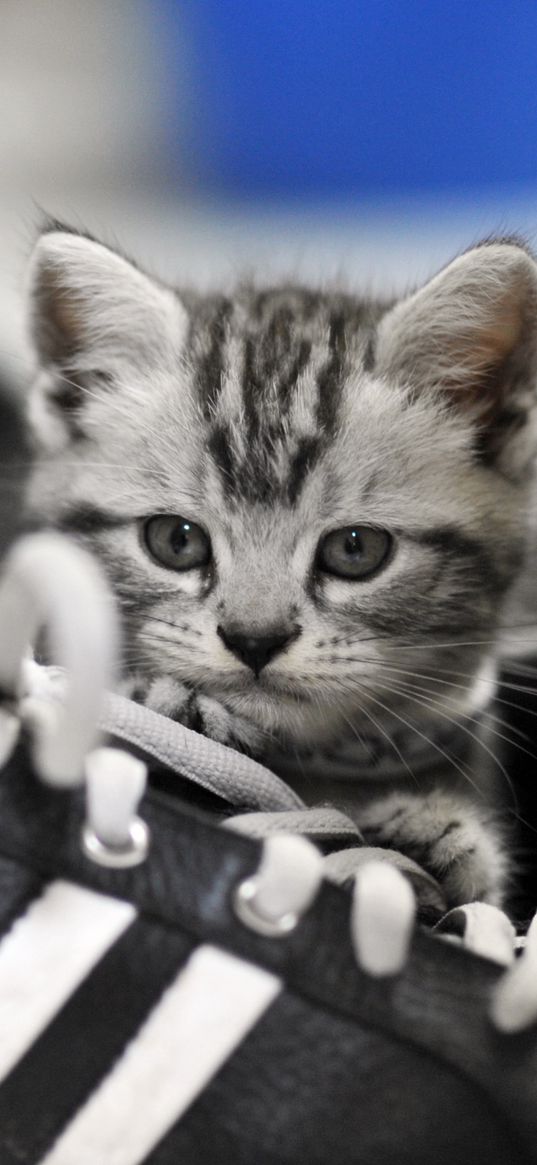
x,y
49,583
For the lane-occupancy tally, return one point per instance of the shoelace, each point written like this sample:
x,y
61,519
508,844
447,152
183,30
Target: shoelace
x,y
49,583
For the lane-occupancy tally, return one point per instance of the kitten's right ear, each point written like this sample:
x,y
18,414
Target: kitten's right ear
x,y
93,314
469,335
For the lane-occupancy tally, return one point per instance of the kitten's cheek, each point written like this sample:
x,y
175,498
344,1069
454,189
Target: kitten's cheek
x,y
190,583
223,661
336,593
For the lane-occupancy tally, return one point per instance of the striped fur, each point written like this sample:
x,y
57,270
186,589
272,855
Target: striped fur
x,y
271,416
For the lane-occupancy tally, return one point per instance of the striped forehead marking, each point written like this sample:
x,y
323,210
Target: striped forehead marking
x,y
269,376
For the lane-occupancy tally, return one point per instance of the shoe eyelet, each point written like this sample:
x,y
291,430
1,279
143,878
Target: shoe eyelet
x,y
246,909
273,900
118,857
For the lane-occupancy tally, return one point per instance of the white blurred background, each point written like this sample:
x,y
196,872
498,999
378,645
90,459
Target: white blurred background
x,y
84,135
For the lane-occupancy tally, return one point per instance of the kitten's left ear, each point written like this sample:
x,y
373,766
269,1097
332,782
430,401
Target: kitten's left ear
x,y
470,333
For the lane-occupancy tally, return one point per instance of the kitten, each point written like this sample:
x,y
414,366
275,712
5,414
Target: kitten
x,y
311,507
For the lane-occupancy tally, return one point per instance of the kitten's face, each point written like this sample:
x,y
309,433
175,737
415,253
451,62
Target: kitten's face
x,y
293,523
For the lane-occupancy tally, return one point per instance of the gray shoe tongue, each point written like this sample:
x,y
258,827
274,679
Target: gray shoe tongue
x,y
212,766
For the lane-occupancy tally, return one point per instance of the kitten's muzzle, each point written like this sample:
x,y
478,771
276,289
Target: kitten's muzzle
x,y
257,650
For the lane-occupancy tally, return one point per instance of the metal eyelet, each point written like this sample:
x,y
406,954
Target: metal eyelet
x,y
246,909
273,900
118,857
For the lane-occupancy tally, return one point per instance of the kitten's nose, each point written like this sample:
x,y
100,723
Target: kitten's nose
x,y
256,650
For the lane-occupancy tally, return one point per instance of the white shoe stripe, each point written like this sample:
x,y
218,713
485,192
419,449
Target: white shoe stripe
x,y
207,1011
49,950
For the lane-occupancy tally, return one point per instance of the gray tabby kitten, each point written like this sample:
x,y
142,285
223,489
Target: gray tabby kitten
x,y
311,507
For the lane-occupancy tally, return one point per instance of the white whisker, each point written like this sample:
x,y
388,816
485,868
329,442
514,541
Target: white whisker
x,y
376,723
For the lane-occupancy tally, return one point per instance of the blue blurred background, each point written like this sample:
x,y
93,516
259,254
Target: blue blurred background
x,y
361,98
368,140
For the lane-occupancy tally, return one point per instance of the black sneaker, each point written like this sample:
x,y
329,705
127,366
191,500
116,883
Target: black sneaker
x,y
173,990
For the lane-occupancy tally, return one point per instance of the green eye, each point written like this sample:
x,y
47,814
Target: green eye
x,y
176,543
354,552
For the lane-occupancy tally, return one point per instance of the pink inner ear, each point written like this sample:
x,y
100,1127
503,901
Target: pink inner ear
x,y
484,353
503,334
61,312
458,332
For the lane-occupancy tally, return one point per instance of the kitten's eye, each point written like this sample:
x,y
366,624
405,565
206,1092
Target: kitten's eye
x,y
176,543
355,552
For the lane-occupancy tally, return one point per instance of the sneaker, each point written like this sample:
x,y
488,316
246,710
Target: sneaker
x,y
181,977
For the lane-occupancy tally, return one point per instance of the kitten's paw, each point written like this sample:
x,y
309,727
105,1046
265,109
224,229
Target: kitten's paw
x,y
469,863
194,710
446,836
228,728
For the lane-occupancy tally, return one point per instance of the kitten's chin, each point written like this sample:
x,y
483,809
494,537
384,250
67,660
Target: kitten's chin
x,y
292,716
